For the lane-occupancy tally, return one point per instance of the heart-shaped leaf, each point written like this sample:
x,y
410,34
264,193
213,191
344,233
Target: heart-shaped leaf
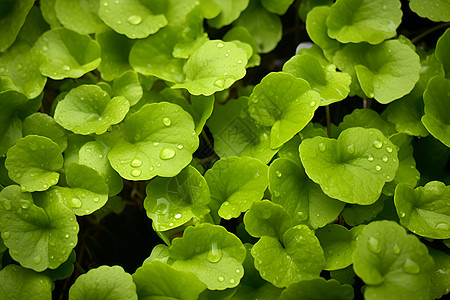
x,y
230,11
318,288
442,48
128,86
12,18
79,15
33,285
435,10
44,125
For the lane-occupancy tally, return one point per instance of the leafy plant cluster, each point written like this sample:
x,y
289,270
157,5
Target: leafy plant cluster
x,y
97,93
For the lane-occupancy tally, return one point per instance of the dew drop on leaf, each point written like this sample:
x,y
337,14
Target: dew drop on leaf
x,y
24,204
5,235
167,153
278,173
180,146
226,203
134,20
378,168
136,163
220,279
105,3
220,45
238,271
96,199
322,147
75,203
136,172
312,103
442,226
6,204
67,235
177,216
385,159
351,149
162,206
377,144
389,149
232,281
66,68
374,245
276,193
396,249
215,253
411,267
166,122
156,144
219,83
37,259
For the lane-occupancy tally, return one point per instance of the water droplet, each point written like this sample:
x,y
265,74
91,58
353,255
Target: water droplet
x,y
156,144
72,244
166,122
396,249
96,199
75,203
351,149
180,146
116,2
66,68
385,159
226,203
411,267
119,22
220,279
5,235
389,149
162,206
105,4
136,172
377,144
384,7
177,216
442,226
134,20
238,271
402,214
239,61
45,186
322,147
44,48
136,163
226,54
232,281
255,99
171,224
215,253
276,193
278,173
67,235
6,204
37,259
87,211
219,83
24,204
377,168
220,45
374,245
167,153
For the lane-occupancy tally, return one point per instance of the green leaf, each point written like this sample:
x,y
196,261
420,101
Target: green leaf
x,y
366,118
230,11
276,6
392,263
133,18
88,191
318,288
386,71
306,6
440,279
372,21
355,214
88,109
239,33
303,199
437,109
290,149
266,218
442,48
17,282
166,282
159,253
67,53
153,55
10,124
33,163
298,257
226,63
104,282
94,154
284,103
39,230
344,276
360,157
211,253
64,270
264,26
338,244
322,77
128,86
79,15
435,10
48,13
44,125
159,139
230,197
12,17
424,210
174,201
115,49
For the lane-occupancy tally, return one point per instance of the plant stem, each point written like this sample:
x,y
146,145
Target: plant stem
x,y
427,32
327,112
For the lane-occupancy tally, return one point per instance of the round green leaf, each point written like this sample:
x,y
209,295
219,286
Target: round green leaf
x,y
235,183
425,210
211,253
284,103
226,63
372,21
136,19
48,13
44,125
239,33
104,282
278,7
440,280
366,118
12,17
360,157
173,201
79,15
392,263
299,257
303,199
33,163
67,53
316,289
10,124
40,231
17,282
159,139
355,214
442,48
230,11
322,77
306,6
437,109
88,109
435,10
166,282
128,86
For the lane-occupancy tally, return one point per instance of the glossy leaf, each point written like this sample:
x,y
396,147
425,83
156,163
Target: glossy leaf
x,y
303,199
355,214
104,282
230,11
392,263
174,201
284,103
166,282
437,109
436,10
239,33
366,118
17,282
230,197
133,18
67,53
88,109
356,158
300,258
159,139
226,64
12,17
440,280
128,86
307,6
39,230
211,253
44,125
318,288
79,15
33,163
355,21
442,48
424,210
276,6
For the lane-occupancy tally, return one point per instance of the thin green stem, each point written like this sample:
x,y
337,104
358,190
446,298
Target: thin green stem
x,y
427,32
